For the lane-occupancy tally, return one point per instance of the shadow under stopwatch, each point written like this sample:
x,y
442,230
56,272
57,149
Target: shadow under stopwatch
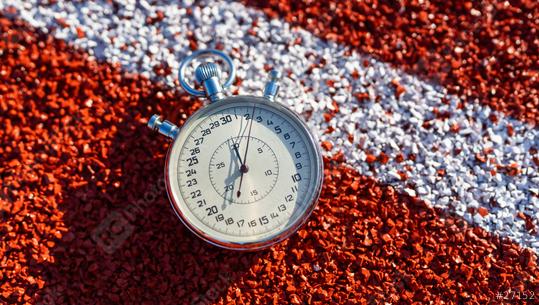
x,y
123,242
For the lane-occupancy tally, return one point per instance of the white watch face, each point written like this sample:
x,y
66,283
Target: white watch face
x,y
244,171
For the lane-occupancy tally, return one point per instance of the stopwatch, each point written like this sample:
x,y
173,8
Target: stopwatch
x,y
243,172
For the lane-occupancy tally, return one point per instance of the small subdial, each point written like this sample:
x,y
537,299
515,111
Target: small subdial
x,y
259,175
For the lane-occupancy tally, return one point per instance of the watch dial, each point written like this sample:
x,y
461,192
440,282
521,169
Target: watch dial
x,y
246,172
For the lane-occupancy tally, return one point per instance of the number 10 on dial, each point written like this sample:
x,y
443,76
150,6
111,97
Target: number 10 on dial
x,y
244,172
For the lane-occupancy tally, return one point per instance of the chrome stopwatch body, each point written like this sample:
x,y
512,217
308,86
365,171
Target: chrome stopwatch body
x,y
244,172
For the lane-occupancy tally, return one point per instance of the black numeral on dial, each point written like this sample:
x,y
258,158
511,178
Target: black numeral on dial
x,y
225,119
196,194
263,220
192,161
201,203
212,210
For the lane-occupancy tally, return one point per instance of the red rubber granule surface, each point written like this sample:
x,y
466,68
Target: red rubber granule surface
x,y
85,218
485,50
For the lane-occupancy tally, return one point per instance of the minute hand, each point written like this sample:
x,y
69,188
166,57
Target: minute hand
x,y
244,168
235,147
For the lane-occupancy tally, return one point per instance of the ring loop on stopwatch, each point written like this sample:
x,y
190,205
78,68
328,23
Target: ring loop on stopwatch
x,y
200,53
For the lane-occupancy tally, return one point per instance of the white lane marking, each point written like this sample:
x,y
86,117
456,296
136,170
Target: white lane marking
x,y
321,76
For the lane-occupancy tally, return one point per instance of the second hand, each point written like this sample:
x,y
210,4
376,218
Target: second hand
x,y
244,168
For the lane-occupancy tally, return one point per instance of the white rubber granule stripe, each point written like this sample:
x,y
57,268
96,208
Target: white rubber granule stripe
x,y
458,183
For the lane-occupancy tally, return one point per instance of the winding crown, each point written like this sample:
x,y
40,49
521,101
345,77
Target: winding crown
x,y
206,71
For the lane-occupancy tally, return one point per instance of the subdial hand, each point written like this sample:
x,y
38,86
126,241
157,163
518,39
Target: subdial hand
x,y
235,148
244,168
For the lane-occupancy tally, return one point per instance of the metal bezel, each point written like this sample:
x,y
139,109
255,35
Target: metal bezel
x,y
176,199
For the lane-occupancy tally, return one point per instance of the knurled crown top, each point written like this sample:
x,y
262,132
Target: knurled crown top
x,y
275,75
206,71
